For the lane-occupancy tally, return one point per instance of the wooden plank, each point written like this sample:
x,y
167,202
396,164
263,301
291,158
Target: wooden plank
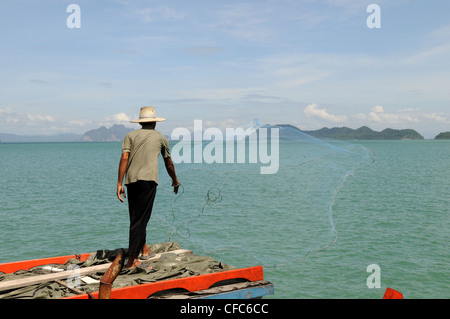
x,y
23,282
27,264
17,283
75,290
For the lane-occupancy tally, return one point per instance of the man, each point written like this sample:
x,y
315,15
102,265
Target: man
x,y
139,163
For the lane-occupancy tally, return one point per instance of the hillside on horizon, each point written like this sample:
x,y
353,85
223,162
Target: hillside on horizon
x,y
365,133
117,132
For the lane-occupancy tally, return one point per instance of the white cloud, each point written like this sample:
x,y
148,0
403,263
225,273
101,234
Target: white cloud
x,y
36,124
8,115
313,110
118,118
437,118
11,121
383,117
410,109
378,109
409,117
377,115
77,123
40,118
121,117
223,124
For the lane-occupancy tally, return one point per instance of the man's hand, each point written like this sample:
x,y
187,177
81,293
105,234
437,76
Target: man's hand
x,y
122,168
120,191
175,185
171,171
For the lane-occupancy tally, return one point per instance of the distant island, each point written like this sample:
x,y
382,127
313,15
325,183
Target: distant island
x,y
443,136
13,138
362,133
117,132
365,133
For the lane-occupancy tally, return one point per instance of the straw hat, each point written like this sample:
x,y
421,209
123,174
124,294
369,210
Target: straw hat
x,y
147,114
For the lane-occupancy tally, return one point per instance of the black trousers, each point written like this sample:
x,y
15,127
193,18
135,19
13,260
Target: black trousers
x,y
141,196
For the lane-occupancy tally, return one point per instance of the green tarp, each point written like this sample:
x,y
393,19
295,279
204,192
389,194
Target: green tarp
x,y
169,266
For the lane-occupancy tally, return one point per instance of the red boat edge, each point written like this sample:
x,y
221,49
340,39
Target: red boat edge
x,y
14,266
191,284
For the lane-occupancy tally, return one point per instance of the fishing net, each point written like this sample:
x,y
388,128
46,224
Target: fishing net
x,y
262,195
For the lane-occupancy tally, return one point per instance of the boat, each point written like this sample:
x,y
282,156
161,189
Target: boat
x,y
173,273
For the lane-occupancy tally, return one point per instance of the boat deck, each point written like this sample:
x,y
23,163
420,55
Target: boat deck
x,y
173,273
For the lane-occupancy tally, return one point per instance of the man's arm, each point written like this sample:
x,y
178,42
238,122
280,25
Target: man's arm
x,y
171,171
122,168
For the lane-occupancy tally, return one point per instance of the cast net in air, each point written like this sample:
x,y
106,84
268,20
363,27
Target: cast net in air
x,y
266,195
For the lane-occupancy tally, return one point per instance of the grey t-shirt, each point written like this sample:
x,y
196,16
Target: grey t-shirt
x,y
144,146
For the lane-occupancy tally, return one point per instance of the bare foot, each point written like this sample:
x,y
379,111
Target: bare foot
x,y
145,250
133,263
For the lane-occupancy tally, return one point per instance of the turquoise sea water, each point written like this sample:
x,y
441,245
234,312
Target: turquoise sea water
x,y
331,210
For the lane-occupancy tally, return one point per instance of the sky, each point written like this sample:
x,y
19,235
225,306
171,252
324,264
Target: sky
x,y
309,63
